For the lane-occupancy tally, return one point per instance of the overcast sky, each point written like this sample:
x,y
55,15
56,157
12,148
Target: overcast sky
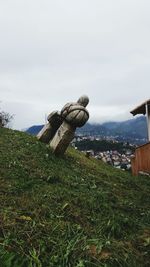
x,y
53,51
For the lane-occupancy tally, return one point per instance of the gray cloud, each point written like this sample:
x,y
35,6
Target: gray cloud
x,y
51,52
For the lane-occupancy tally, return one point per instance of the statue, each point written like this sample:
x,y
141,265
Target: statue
x,y
61,126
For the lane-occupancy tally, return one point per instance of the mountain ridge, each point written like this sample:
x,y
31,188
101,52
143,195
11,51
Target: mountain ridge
x,y
128,130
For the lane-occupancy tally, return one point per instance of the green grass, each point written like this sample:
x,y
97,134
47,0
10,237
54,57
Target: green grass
x,y
70,211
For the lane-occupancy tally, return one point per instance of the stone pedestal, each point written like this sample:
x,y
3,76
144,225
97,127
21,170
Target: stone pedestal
x,y
62,138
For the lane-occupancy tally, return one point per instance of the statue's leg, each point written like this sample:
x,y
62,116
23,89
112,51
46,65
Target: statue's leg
x,y
62,138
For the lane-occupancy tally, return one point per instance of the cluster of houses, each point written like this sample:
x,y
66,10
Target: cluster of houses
x,y
111,157
81,137
114,158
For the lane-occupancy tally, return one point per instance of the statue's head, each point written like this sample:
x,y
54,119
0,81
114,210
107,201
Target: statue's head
x,y
83,100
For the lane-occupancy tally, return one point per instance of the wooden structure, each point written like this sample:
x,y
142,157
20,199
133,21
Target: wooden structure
x,y
141,160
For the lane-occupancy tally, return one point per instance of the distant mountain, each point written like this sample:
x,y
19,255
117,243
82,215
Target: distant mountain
x,y
34,129
131,130
136,126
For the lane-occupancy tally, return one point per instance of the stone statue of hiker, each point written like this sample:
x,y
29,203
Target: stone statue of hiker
x,y
61,126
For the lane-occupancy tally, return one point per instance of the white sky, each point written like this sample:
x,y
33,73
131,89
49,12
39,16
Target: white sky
x,y
53,51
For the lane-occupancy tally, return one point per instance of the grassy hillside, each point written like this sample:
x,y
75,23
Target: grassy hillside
x,y
68,212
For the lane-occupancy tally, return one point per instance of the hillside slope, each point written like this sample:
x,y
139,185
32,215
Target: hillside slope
x,y
70,211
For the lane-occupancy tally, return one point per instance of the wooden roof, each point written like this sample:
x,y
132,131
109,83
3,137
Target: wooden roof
x,y
141,109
